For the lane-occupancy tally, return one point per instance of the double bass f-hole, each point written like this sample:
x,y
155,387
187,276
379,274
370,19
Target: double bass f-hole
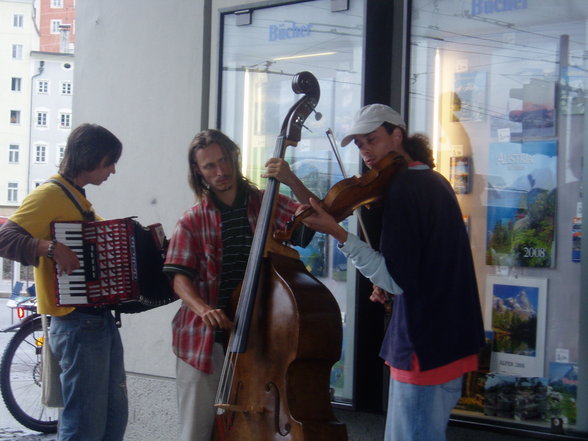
x,y
271,387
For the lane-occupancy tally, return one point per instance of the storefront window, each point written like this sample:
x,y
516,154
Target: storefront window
x,y
262,50
499,88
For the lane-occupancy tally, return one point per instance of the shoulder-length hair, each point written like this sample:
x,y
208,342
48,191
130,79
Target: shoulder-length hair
x,y
231,150
88,145
417,146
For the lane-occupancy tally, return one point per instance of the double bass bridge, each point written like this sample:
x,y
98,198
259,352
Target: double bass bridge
x,y
237,408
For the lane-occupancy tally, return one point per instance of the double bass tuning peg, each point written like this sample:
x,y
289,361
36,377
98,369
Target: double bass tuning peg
x,y
317,116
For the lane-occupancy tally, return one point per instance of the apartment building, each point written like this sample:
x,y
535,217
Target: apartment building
x,y
18,37
36,87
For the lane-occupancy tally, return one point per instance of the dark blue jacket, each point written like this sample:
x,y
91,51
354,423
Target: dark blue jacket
x,y
427,251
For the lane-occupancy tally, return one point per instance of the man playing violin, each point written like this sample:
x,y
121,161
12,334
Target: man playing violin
x,y
436,330
207,257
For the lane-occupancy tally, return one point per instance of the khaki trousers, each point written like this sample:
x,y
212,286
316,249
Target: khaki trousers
x,y
196,392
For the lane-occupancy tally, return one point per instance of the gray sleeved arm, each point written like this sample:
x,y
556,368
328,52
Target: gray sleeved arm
x,y
370,263
17,244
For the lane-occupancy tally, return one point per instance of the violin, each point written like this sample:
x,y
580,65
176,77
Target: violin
x,y
349,194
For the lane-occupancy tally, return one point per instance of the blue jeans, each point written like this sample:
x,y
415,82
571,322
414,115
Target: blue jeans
x,y
93,380
420,413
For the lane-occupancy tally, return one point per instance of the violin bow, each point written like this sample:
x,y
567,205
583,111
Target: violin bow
x,y
333,142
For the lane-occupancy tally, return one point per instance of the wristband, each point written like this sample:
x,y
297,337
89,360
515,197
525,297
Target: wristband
x,y
51,249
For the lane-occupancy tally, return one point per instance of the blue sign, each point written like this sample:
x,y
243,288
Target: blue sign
x,y
495,6
289,31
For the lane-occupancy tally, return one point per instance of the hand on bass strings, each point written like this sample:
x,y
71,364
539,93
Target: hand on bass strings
x,y
217,318
189,294
279,169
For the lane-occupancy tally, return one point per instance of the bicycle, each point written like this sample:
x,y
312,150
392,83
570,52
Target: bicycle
x,y
20,371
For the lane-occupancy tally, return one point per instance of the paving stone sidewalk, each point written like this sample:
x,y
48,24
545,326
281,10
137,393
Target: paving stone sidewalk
x,y
20,435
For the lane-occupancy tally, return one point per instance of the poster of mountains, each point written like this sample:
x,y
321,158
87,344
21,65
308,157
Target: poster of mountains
x,y
563,382
521,189
517,314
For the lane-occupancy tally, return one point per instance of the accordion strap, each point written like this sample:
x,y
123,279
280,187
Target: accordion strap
x,y
87,215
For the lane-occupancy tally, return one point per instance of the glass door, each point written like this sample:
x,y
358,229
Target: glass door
x,y
262,49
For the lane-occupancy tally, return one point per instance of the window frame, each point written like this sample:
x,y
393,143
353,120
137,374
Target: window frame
x,y
42,87
17,51
54,26
40,153
59,153
16,84
44,115
17,20
14,154
15,114
66,88
64,120
12,192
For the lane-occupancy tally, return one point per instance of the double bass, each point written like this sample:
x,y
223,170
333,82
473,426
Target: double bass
x,y
287,334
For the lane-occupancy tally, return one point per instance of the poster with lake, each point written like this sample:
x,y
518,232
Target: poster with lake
x,y
521,190
516,314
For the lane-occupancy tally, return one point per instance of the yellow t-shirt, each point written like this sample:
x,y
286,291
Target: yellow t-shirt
x,y
45,204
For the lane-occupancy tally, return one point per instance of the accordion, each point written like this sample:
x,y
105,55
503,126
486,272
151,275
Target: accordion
x,y
120,265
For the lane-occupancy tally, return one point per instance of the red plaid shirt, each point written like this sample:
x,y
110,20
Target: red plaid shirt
x,y
196,243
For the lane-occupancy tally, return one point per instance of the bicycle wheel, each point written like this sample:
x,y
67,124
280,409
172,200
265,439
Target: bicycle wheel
x,y
20,379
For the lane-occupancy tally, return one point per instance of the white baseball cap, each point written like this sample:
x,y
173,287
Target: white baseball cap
x,y
369,118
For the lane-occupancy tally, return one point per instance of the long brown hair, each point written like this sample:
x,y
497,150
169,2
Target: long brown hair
x,y
230,149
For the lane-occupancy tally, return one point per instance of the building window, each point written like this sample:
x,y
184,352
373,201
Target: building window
x,y
65,120
17,20
15,117
57,3
17,51
12,192
66,87
13,153
60,153
16,84
41,153
55,25
42,86
7,268
41,119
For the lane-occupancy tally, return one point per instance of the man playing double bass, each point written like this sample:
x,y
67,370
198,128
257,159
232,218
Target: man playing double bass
x,y
436,329
207,257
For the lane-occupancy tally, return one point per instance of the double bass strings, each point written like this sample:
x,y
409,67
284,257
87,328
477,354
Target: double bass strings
x,y
238,336
224,389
